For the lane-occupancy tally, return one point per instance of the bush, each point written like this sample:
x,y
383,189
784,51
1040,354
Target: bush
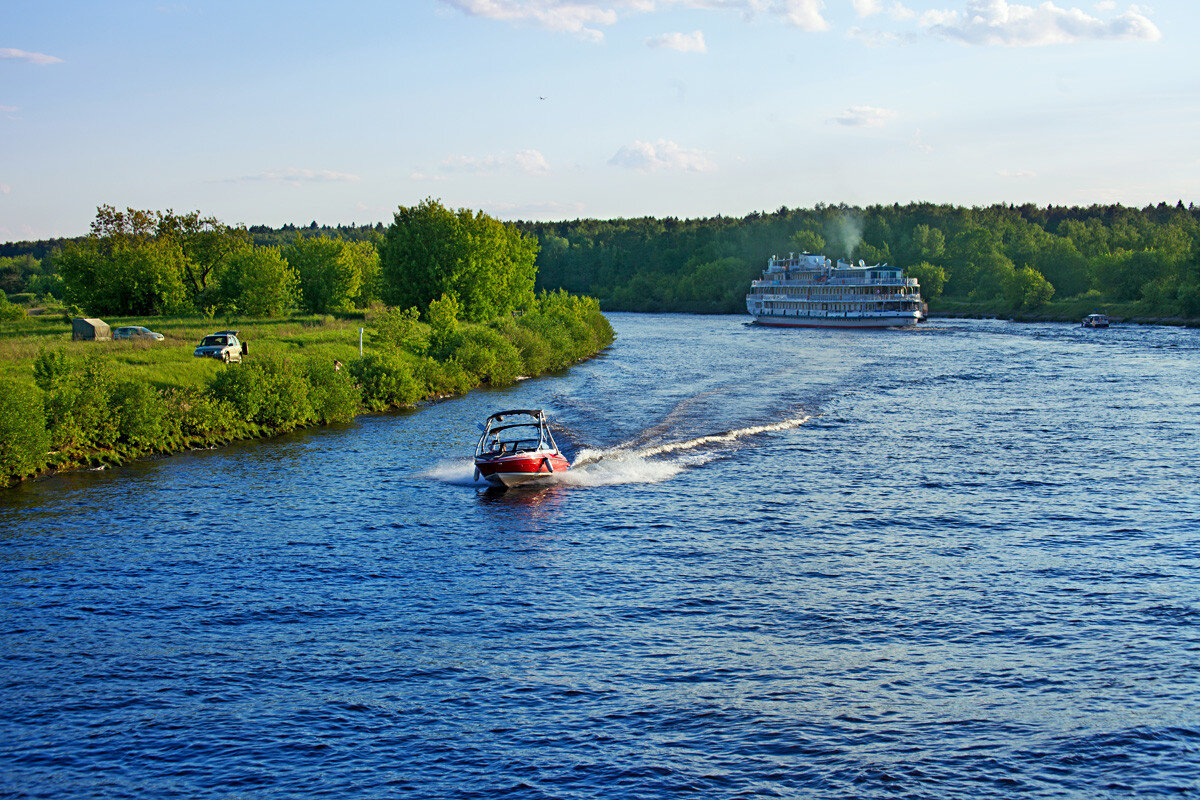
x,y
488,356
242,387
272,392
49,368
385,381
79,409
141,415
203,417
23,437
400,329
333,396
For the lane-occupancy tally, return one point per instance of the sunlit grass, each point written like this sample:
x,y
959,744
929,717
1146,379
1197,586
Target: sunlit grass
x,y
171,363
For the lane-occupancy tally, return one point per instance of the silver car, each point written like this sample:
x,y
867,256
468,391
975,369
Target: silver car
x,y
222,345
136,332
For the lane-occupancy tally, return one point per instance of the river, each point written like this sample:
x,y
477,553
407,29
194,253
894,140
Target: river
x,y
960,560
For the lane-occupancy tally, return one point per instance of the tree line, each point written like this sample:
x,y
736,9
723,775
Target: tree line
x,y
1004,257
159,263
1008,257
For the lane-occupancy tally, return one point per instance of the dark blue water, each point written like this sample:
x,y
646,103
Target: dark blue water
x,y
957,561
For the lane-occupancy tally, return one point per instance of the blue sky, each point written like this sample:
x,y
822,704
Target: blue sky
x,y
271,112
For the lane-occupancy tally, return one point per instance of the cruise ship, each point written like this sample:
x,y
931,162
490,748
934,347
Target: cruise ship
x,y
809,291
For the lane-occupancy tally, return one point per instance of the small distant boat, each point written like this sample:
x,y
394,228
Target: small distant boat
x,y
1095,321
517,447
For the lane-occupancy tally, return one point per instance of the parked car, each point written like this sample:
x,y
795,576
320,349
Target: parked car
x,y
136,332
223,345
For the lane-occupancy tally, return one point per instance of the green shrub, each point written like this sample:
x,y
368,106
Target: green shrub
x,y
203,417
400,329
79,410
488,356
141,415
332,393
23,437
268,391
386,381
49,368
442,378
242,387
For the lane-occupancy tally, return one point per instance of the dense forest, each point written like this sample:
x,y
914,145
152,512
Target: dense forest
x,y
999,259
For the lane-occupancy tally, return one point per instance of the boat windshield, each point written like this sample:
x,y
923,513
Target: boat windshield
x,y
517,437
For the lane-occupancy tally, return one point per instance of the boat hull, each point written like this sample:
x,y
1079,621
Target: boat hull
x,y
891,321
513,470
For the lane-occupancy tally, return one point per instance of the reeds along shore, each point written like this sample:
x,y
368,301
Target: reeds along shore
x,y
67,405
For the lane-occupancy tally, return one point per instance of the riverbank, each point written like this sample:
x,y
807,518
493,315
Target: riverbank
x,y
69,405
1072,310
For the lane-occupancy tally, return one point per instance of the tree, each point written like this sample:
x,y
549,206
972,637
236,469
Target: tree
x,y
429,251
1064,266
808,242
1026,289
931,278
329,277
207,245
124,275
258,282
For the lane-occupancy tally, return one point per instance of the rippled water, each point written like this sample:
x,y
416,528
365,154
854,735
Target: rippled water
x,y
959,560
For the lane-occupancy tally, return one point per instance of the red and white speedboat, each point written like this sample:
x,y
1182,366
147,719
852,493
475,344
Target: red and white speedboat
x,y
516,447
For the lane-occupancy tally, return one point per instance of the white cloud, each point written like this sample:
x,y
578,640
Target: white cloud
x,y
580,17
683,42
865,8
1017,173
998,22
32,58
661,155
879,38
530,162
296,176
863,117
1106,5
918,144
586,18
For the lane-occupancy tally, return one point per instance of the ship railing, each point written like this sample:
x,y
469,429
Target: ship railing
x,y
835,282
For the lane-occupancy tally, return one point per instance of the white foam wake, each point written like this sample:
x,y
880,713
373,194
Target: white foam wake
x,y
589,456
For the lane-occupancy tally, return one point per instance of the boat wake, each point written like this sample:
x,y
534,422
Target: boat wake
x,y
627,463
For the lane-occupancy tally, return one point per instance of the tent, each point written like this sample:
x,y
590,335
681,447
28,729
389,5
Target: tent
x,y
88,329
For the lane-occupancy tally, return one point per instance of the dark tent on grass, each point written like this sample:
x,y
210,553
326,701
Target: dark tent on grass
x,y
87,329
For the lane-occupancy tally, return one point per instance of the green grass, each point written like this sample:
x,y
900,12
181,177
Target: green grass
x,y
170,363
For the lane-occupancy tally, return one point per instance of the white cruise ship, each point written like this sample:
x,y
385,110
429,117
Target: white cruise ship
x,y
809,291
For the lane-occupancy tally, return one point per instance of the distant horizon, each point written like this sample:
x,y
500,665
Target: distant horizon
x,y
1190,206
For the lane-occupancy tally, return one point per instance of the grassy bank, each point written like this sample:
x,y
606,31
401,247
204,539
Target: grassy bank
x,y
66,404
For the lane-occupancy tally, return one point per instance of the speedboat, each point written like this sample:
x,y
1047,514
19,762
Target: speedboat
x,y
517,447
1095,321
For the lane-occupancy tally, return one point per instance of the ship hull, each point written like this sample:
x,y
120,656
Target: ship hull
x,y
779,321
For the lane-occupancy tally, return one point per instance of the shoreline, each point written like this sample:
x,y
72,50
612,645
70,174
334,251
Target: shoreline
x,y
1176,322
102,460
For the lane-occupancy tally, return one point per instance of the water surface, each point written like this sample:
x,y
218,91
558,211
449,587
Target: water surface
x,y
958,560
